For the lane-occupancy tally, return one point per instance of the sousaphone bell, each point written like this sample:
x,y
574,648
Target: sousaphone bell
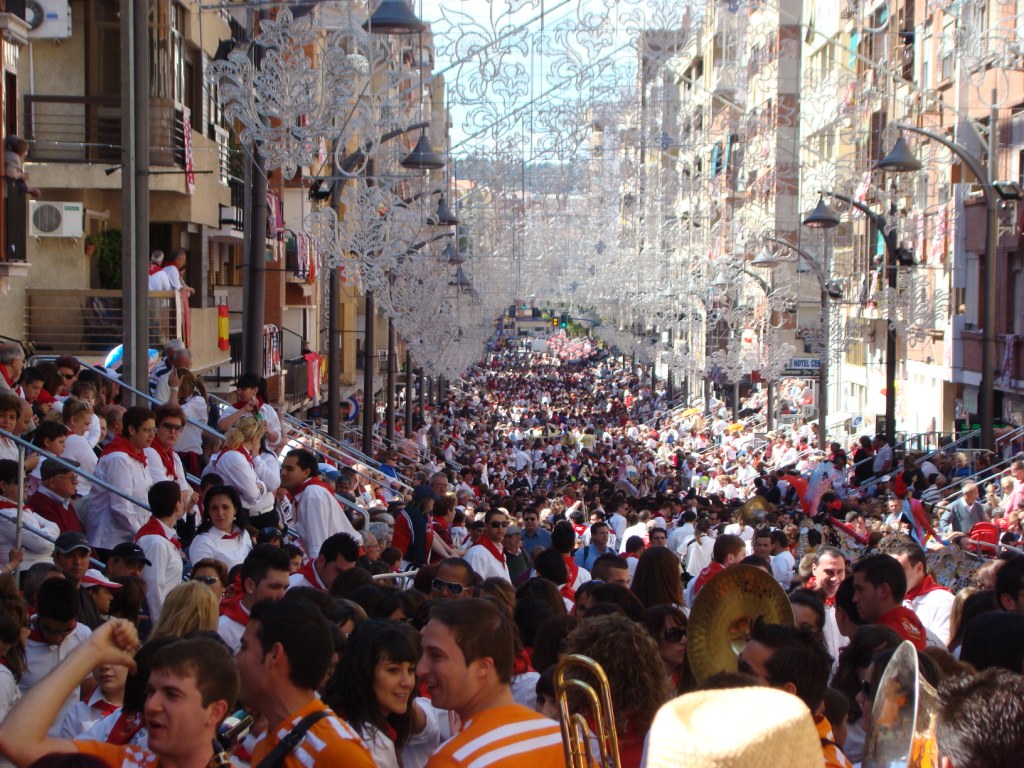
x,y
902,731
723,613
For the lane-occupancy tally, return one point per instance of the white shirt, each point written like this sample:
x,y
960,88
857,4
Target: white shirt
x,y
933,609
214,544
9,692
173,277
158,472
158,281
271,418
268,470
417,750
37,549
485,565
231,631
640,529
318,516
101,729
81,717
78,449
110,519
166,570
236,471
782,568
191,439
43,657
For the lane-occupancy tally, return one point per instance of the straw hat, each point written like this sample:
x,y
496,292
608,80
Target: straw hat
x,y
734,728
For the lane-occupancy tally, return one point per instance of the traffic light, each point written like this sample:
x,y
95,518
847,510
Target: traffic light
x,y
565,321
554,321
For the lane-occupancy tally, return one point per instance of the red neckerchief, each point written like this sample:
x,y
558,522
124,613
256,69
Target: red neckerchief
x,y
705,576
120,444
634,555
127,725
230,536
486,543
154,527
568,592
104,707
6,504
35,634
927,585
239,403
522,663
316,480
812,584
240,449
308,572
6,377
167,457
154,268
233,610
580,529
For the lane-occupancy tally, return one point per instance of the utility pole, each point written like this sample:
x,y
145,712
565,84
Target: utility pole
x,y
255,288
369,407
135,195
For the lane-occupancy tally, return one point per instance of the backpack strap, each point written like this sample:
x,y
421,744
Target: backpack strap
x,y
285,747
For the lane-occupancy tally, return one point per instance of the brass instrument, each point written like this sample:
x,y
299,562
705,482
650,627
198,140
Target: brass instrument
x,y
723,613
902,732
576,739
752,511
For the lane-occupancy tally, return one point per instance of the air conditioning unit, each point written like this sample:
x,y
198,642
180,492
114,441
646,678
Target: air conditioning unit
x,y
48,19
48,219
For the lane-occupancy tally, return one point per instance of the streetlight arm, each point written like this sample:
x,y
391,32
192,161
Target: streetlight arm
x,y
877,219
810,259
957,149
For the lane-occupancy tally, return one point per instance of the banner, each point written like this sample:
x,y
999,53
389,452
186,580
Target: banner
x,y
190,168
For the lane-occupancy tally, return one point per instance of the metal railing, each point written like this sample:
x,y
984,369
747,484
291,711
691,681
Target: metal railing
x,y
91,322
87,129
296,387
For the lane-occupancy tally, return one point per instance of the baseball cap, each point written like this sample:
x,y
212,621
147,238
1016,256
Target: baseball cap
x,y
94,578
424,492
130,552
247,381
69,541
52,468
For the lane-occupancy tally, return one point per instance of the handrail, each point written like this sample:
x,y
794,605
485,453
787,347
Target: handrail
x,y
124,385
77,470
22,525
986,474
945,448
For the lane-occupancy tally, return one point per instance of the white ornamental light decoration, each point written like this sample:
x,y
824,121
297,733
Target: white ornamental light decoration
x,y
288,105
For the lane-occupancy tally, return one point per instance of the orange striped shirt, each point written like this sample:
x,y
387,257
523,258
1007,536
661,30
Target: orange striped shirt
x,y
117,756
503,737
330,742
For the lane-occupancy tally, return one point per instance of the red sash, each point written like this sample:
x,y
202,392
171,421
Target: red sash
x,y
167,457
487,544
154,527
120,444
574,570
705,576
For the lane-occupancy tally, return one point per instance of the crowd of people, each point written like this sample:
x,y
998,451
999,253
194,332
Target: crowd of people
x,y
255,594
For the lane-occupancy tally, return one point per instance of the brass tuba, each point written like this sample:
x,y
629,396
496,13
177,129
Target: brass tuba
x,y
579,747
902,732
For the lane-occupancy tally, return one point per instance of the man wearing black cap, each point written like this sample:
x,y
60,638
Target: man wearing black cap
x,y
126,559
71,554
53,499
414,535
250,403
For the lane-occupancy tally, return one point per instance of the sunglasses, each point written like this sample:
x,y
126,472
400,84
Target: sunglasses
x,y
67,376
446,586
496,524
673,634
865,688
207,580
173,427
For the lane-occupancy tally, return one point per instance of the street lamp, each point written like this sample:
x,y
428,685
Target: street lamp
x,y
901,160
823,218
892,260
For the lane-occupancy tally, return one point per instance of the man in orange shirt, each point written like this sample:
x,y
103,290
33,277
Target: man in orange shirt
x,y
285,653
467,662
190,687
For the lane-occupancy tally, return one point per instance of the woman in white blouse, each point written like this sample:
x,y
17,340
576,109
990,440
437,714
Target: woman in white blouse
x,y
222,535
237,467
189,393
268,470
77,416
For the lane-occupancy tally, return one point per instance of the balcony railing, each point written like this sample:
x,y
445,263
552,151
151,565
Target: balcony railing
x,y
92,322
296,382
87,129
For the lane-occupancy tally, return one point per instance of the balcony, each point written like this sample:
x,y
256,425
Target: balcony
x,y
87,129
90,323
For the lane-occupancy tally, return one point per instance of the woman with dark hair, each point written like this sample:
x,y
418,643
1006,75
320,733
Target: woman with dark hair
x,y
972,606
854,665
222,534
667,625
657,578
994,639
549,640
636,676
374,689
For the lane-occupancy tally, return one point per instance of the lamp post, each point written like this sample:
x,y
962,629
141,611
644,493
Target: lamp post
x,y
901,160
891,262
820,218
